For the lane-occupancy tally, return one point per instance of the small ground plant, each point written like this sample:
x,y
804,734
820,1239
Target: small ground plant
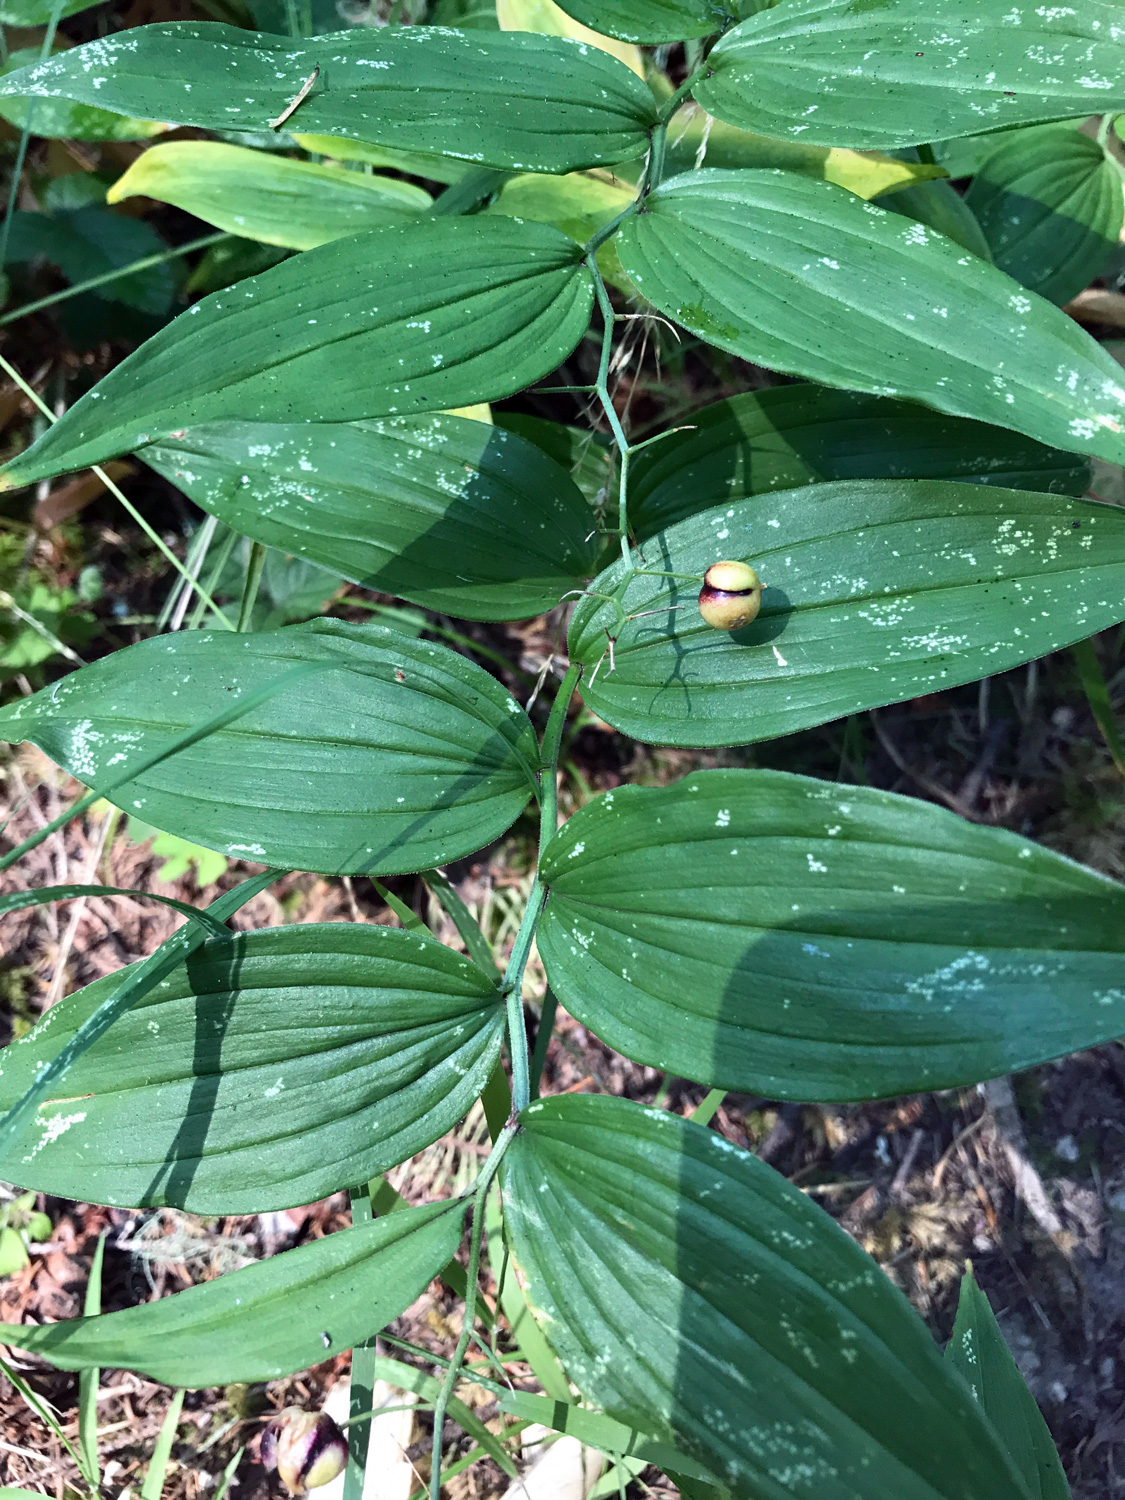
x,y
907,517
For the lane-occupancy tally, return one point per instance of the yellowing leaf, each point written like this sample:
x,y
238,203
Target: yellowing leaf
x,y
545,16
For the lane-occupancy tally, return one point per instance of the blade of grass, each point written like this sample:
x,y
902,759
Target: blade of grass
x,y
144,264
42,1409
158,1468
464,921
362,1392
228,1475
17,900
704,1112
250,587
158,541
89,1380
1094,685
25,134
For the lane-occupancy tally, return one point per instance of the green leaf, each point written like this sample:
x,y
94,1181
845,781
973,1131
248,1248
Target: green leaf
x,y
579,204
450,513
978,1352
59,119
153,1484
885,73
764,932
653,21
13,1252
423,88
1051,206
389,755
414,163
275,199
694,135
940,206
28,13
793,435
586,455
875,591
420,317
694,1293
280,1315
801,276
270,1070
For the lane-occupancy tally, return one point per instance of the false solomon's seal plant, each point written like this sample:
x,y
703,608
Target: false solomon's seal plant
x,y
744,929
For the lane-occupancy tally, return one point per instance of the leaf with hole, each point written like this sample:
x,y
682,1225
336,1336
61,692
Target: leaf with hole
x,y
777,935
419,317
692,1292
801,276
384,754
274,199
1051,206
875,591
792,435
451,513
885,73
422,88
271,1069
271,1318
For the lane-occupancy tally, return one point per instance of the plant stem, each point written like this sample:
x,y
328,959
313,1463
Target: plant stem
x,y
157,541
484,1181
602,391
250,587
512,984
145,264
25,136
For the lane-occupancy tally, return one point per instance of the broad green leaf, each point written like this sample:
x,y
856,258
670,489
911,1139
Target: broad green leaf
x,y
904,72
453,514
422,88
269,198
875,591
586,455
940,206
420,317
60,118
793,435
269,1319
414,163
1050,204
392,755
978,1352
273,1068
803,277
28,13
653,21
764,932
696,138
549,19
579,204
692,1292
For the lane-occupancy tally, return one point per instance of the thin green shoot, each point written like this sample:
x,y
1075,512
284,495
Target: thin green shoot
x,y
157,540
90,1379
153,1485
145,263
